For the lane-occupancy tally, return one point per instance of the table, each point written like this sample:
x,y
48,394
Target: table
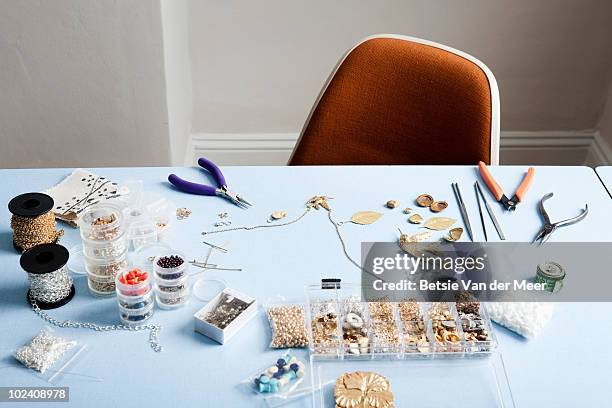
x,y
605,175
557,369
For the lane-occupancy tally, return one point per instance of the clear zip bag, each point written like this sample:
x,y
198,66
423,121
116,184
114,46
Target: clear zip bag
x,y
50,356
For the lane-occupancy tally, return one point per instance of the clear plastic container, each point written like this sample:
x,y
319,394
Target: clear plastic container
x,y
172,300
137,289
106,267
171,286
141,234
135,302
101,286
479,381
101,222
105,250
135,317
401,330
170,273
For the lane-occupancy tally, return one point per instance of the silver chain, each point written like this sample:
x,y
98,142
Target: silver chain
x,y
50,287
334,223
153,329
337,227
259,226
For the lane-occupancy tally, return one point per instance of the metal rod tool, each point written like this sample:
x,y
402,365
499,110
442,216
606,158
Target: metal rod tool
x,y
490,211
466,220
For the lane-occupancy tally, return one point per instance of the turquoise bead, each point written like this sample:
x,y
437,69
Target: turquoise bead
x,y
264,387
264,379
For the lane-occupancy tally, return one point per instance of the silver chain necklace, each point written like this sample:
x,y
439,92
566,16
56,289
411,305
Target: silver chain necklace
x,y
315,202
153,329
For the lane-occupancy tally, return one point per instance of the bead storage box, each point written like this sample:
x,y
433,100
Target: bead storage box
x,y
171,279
105,247
134,296
414,343
340,325
222,317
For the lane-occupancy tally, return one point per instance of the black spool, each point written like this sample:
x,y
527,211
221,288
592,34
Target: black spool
x,y
30,205
43,259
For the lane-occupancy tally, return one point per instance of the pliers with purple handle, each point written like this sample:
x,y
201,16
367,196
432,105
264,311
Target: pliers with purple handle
x,y
204,189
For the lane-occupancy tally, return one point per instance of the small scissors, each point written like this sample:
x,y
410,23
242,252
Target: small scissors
x,y
203,189
548,228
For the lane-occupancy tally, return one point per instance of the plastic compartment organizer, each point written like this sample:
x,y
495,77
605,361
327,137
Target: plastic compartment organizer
x,y
427,351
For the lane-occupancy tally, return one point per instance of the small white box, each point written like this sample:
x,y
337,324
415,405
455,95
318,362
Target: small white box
x,y
223,335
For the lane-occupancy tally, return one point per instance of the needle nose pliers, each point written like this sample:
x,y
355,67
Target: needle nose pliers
x,y
548,228
509,203
203,189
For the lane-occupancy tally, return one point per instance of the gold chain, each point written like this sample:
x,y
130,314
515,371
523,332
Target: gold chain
x,y
29,232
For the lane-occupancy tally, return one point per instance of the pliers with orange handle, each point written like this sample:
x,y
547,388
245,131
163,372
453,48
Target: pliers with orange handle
x,y
498,193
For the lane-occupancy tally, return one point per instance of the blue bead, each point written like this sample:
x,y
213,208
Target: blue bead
x,y
256,382
277,374
294,367
281,362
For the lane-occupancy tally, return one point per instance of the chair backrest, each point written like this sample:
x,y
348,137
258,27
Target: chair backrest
x,y
401,100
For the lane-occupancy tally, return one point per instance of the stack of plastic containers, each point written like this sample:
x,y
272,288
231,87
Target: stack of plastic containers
x,y
104,247
134,296
140,227
171,285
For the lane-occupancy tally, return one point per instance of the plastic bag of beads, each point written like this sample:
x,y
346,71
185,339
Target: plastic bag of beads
x,y
288,325
280,382
49,355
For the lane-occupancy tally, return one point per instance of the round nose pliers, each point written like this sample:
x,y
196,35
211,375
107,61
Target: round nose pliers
x,y
498,193
203,189
548,228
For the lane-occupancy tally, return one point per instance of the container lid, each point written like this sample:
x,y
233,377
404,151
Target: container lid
x,y
30,205
44,258
551,270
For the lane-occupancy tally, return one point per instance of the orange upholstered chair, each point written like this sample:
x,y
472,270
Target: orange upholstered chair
x,y
401,100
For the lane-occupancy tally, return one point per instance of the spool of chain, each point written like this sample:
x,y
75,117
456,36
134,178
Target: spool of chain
x,y
50,285
33,221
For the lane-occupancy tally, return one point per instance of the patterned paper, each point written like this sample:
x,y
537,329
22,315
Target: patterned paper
x,y
80,190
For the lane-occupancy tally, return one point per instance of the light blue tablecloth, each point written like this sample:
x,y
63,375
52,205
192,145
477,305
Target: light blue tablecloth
x,y
567,366
605,174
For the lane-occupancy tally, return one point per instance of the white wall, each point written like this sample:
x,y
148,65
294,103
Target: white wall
x,y
82,84
258,65
177,63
